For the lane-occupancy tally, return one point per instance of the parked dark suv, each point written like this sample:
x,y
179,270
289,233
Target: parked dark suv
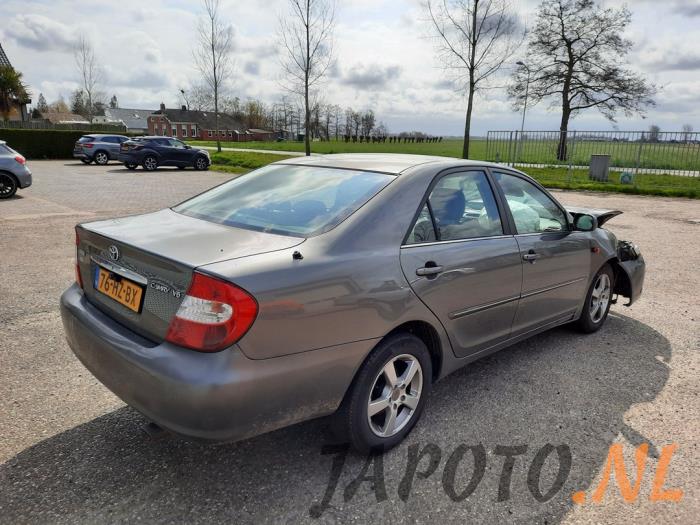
x,y
98,148
152,152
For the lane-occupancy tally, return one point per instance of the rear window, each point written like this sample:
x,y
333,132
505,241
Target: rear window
x,y
289,200
5,149
83,140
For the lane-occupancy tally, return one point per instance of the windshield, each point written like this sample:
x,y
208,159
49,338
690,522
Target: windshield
x,y
290,200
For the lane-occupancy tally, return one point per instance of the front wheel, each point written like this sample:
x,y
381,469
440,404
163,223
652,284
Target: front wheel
x,y
387,396
598,301
201,163
150,163
8,186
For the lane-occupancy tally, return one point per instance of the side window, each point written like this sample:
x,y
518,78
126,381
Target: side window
x,y
533,211
177,144
463,207
423,230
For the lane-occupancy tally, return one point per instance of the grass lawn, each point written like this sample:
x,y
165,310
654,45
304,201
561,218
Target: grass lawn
x,y
552,177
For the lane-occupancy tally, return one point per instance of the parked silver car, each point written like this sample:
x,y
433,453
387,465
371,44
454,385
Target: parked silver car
x,y
98,148
14,172
344,284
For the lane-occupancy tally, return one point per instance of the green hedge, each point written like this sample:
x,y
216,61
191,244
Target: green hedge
x,y
41,143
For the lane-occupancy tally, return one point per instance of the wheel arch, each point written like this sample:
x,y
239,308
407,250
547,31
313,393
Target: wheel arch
x,y
622,284
430,337
14,177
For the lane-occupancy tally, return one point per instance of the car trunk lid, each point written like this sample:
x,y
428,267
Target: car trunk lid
x,y
158,252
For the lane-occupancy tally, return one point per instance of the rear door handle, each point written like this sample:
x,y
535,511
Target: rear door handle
x,y
531,256
429,270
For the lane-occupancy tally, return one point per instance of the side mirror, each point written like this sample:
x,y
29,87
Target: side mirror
x,y
585,223
187,146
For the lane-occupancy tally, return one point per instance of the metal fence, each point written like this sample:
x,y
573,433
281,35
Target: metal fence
x,y
45,124
635,152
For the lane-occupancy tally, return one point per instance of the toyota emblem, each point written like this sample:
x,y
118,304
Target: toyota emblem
x,y
114,253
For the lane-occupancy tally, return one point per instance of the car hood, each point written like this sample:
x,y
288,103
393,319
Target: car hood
x,y
601,216
188,240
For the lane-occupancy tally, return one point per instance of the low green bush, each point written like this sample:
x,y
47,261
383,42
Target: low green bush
x,y
41,143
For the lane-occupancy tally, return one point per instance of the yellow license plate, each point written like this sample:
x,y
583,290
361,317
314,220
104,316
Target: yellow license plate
x,y
122,290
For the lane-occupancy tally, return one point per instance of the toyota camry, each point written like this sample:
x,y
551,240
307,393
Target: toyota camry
x,y
343,284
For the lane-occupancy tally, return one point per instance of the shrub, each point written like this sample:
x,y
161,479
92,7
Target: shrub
x,y
41,143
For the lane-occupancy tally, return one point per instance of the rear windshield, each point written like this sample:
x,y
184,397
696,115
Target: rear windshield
x,y
86,139
289,200
5,149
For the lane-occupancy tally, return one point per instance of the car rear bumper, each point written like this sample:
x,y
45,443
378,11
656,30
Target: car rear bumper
x,y
81,155
24,176
222,396
127,158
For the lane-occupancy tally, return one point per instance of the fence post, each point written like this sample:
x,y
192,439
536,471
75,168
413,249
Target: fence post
x,y
639,159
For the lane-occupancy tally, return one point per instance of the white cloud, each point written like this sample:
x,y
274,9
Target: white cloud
x,y
383,59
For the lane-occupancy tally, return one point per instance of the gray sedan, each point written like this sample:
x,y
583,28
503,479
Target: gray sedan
x,y
14,172
345,285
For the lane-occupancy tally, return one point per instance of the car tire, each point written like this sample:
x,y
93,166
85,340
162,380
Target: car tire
x,y
372,387
131,166
150,163
598,301
101,158
86,161
201,163
8,185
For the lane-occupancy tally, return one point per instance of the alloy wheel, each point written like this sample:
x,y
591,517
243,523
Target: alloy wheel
x,y
8,186
101,158
395,395
201,164
150,163
600,298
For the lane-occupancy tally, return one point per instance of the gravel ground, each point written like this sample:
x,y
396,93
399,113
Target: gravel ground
x,y
72,452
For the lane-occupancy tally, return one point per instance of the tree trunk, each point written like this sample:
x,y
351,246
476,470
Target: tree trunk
x,y
468,123
307,117
563,132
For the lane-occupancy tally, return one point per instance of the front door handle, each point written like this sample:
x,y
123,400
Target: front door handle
x,y
531,256
429,270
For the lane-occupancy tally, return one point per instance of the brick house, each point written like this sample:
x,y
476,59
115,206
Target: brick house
x,y
186,124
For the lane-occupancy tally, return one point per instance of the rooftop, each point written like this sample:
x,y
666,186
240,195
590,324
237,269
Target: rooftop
x,y
4,61
394,163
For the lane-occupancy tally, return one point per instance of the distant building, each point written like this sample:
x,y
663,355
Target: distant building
x,y
64,117
135,120
186,124
18,108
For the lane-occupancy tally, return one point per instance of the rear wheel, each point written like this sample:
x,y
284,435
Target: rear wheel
x,y
150,163
201,163
8,186
598,301
101,158
86,161
130,166
387,396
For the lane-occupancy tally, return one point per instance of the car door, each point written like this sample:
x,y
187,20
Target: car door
x,y
179,152
112,145
556,260
463,263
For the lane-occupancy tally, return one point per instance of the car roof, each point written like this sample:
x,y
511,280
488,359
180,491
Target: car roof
x,y
98,135
393,163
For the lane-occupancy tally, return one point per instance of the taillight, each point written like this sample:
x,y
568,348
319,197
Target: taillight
x,y
88,145
213,315
20,159
78,278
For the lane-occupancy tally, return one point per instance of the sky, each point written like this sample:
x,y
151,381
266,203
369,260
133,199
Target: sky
x,y
385,59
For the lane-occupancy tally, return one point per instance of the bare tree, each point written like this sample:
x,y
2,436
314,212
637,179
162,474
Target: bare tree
x,y
306,35
654,133
474,39
575,56
687,132
90,73
213,56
